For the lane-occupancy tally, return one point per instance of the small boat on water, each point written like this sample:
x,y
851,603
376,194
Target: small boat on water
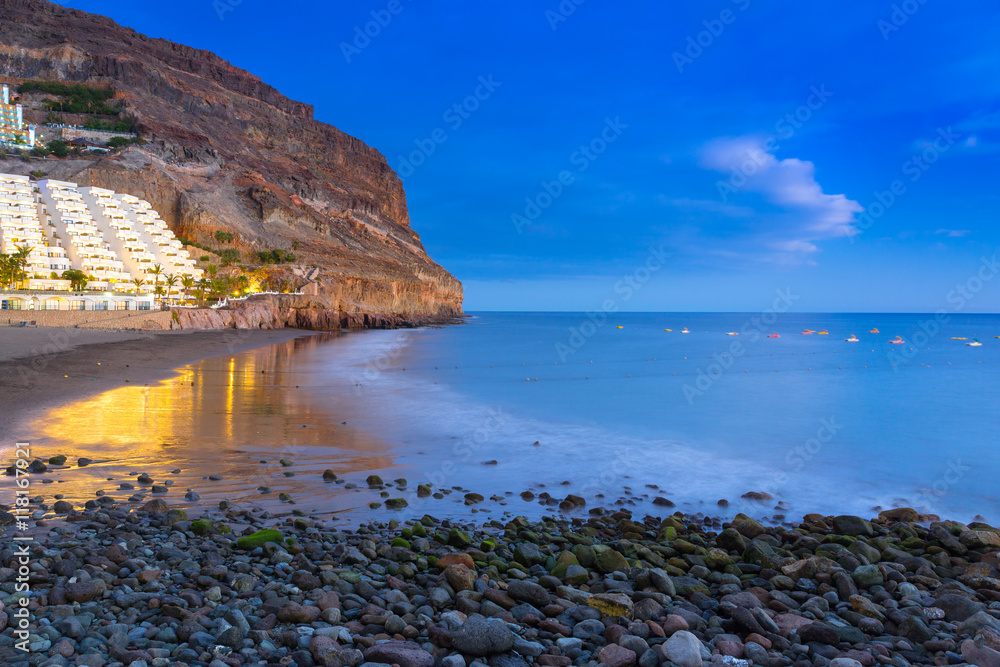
x,y
685,330
975,343
808,332
774,335
959,338
852,339
875,330
668,329
897,341
619,327
732,333
824,332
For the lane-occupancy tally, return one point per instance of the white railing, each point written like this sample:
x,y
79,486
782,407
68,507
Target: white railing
x,y
225,302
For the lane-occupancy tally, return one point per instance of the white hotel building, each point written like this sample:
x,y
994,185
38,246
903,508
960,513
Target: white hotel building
x,y
113,238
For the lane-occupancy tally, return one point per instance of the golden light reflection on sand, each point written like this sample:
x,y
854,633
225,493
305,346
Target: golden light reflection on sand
x,y
218,416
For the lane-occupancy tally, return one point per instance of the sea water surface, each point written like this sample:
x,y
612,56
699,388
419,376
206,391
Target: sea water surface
x,y
619,411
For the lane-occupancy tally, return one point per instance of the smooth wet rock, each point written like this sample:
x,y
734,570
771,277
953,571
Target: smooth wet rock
x,y
85,591
526,591
683,649
901,514
611,561
867,576
972,625
980,656
819,633
845,662
460,578
747,527
402,653
958,607
614,655
480,636
854,526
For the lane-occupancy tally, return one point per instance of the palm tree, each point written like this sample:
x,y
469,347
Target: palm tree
x,y
157,271
217,286
138,282
212,269
203,286
20,259
187,282
6,270
170,281
77,279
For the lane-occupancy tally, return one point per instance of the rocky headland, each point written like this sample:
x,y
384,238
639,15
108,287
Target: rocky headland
x,y
225,152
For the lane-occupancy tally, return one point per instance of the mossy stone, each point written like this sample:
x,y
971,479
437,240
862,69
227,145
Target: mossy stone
x,y
259,539
173,516
611,561
202,527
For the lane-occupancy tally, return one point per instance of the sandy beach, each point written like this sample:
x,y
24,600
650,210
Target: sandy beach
x,y
46,367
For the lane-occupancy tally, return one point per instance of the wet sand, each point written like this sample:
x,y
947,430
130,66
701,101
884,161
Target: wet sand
x,y
212,412
42,368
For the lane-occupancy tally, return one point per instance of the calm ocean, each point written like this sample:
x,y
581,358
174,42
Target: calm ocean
x,y
822,424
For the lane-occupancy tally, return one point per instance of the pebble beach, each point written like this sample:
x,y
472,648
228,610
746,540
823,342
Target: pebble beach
x,y
145,584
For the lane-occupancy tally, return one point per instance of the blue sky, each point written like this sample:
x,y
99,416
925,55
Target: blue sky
x,y
734,146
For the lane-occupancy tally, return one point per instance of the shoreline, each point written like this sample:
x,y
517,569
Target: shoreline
x,y
34,367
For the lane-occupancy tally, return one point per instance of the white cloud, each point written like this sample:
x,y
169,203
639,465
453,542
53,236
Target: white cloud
x,y
954,233
809,214
711,206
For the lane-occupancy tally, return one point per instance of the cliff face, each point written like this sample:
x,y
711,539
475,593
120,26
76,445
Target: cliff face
x,y
228,152
298,312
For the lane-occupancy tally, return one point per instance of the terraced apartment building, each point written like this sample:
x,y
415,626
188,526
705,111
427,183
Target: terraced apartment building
x,y
112,238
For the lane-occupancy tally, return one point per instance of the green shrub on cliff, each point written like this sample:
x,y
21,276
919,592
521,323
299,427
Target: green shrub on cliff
x,y
276,256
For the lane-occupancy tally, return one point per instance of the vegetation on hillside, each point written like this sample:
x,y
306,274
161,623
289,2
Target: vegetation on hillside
x,y
105,126
73,97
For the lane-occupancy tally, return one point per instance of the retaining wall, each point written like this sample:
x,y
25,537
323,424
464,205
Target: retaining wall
x,y
91,319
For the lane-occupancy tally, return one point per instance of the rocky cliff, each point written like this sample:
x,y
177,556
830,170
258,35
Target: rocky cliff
x,y
228,152
291,311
